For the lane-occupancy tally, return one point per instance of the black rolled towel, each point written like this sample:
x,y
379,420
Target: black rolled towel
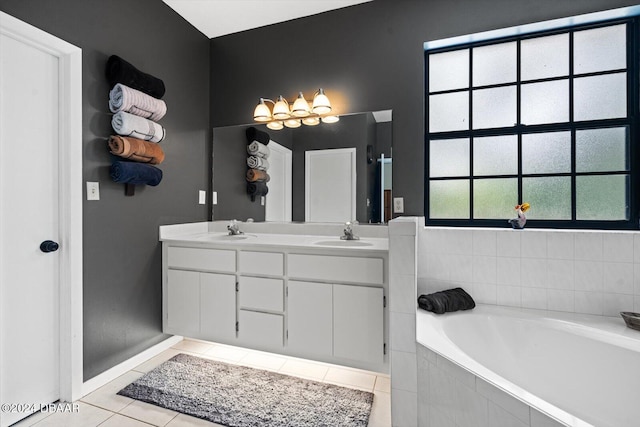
x,y
446,301
120,71
135,173
254,134
257,188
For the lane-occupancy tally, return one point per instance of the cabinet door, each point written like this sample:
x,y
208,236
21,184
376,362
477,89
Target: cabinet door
x,y
261,330
358,323
183,303
217,306
310,318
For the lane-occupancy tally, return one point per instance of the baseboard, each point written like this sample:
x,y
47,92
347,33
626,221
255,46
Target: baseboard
x,y
121,368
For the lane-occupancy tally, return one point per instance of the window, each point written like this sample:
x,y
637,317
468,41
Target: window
x,y
547,118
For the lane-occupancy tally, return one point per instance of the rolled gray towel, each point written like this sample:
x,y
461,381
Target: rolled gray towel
x,y
127,124
258,149
255,162
446,301
124,98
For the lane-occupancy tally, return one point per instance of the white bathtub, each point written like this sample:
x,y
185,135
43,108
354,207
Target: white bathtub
x,y
581,370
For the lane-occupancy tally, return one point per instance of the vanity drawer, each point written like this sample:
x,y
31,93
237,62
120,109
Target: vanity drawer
x,y
201,259
261,329
269,263
259,293
336,269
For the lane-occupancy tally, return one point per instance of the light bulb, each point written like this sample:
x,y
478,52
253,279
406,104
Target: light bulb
x,y
281,109
292,123
262,112
330,119
277,125
311,121
321,104
300,107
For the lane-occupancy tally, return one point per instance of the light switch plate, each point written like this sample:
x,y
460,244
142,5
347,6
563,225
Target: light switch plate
x,y
202,197
93,190
262,199
398,205
214,198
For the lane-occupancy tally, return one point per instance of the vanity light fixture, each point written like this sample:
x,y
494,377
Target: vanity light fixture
x,y
296,114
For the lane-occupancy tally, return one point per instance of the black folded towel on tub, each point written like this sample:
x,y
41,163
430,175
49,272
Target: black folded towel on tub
x,y
254,134
446,301
135,173
120,71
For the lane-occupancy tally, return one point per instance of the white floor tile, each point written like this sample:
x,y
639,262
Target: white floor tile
x,y
32,419
186,421
87,416
106,397
383,384
226,353
122,421
148,413
300,368
381,410
156,361
350,378
193,346
263,361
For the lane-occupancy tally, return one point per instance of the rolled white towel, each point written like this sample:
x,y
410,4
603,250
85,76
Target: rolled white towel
x,y
255,162
124,98
131,125
258,149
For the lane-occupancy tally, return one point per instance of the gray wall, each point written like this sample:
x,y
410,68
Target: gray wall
x,y
122,256
367,57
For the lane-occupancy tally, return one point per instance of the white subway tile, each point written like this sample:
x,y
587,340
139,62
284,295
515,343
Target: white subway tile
x,y
636,247
636,278
485,293
402,293
509,295
560,300
508,243
507,402
484,242
508,271
455,371
434,267
402,228
403,332
613,304
404,371
402,254
618,247
439,418
618,277
534,298
498,417
588,246
533,244
404,408
533,272
636,303
442,389
460,267
538,419
484,269
459,241
588,302
588,276
471,409
560,274
560,245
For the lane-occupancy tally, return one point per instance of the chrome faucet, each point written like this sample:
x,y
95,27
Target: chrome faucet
x,y
348,232
233,228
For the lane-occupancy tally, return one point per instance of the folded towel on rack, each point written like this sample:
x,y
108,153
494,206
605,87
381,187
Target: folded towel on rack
x,y
258,149
446,301
254,134
120,71
135,173
254,175
136,149
124,98
127,124
257,189
255,162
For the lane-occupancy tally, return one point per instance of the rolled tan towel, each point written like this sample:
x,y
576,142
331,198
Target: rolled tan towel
x,y
254,175
136,149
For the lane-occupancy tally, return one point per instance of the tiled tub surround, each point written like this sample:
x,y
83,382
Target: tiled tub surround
x,y
591,272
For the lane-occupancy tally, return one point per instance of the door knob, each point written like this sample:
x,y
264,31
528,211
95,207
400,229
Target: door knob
x,y
49,246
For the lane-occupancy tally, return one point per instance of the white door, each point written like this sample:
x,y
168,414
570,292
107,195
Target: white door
x,y
330,185
29,278
278,200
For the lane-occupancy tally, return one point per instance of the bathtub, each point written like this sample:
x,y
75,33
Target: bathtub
x,y
580,370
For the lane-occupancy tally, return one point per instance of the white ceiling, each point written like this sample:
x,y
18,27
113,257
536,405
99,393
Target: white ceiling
x,y
216,18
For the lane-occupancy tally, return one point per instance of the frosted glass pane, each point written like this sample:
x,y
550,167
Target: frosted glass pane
x,y
544,57
545,102
550,197
601,150
602,197
449,199
546,152
494,64
600,97
494,198
495,155
600,49
448,112
449,157
449,70
493,108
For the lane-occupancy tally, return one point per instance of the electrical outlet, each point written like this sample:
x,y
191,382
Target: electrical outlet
x,y
93,190
398,205
202,197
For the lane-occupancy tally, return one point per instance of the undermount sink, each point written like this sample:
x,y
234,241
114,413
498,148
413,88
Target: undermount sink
x,y
226,237
338,242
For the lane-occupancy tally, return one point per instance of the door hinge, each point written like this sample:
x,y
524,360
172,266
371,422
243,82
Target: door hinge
x,y
237,286
384,301
237,326
286,291
287,334
384,348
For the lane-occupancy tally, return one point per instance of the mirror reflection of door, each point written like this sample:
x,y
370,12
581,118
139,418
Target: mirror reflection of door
x,y
384,164
278,199
330,185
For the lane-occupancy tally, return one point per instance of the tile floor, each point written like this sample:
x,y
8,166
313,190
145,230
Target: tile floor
x,y
105,408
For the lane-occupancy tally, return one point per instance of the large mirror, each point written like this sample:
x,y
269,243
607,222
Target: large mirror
x,y
331,172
